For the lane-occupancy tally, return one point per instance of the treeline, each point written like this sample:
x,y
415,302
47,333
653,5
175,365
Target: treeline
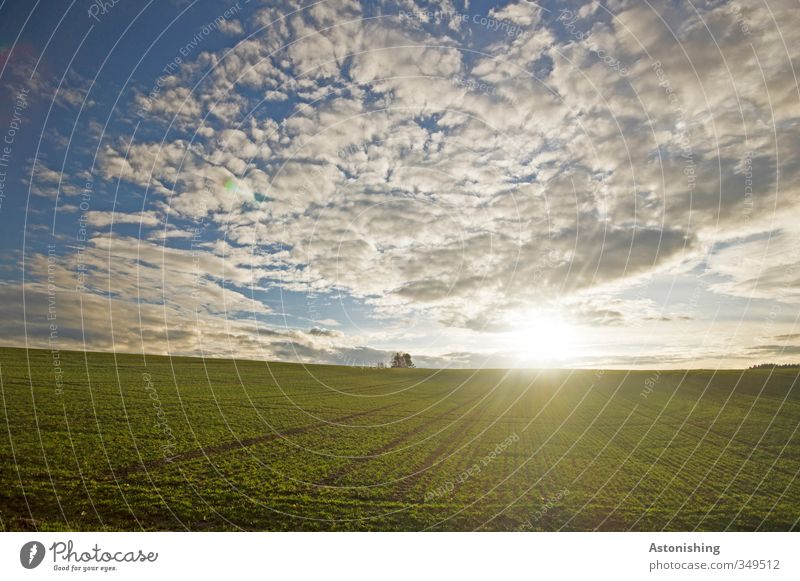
x,y
773,365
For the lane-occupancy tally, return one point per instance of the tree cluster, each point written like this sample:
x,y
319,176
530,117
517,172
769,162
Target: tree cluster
x,y
401,360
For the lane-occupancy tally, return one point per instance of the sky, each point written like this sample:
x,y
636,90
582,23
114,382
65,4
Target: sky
x,y
480,184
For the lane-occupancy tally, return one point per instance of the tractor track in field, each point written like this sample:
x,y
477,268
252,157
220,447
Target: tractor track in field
x,y
403,489
215,449
331,479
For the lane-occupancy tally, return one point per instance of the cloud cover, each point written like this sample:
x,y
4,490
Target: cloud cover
x,y
454,181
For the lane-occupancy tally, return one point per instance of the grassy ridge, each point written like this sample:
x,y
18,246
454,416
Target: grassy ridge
x,y
171,444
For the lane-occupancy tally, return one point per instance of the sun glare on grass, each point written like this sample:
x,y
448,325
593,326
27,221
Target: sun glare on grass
x,y
543,339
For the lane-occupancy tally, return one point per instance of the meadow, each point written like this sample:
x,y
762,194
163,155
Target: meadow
x,y
97,441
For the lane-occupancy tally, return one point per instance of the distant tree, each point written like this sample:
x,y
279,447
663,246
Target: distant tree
x,y
380,365
401,360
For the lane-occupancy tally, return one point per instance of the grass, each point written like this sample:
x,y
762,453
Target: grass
x,y
132,443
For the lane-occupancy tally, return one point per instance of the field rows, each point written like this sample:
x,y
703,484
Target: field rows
x,y
162,444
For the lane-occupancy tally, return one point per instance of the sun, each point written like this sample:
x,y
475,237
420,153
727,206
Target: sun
x,y
543,338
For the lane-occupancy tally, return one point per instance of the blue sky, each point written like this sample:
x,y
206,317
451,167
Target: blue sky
x,y
478,183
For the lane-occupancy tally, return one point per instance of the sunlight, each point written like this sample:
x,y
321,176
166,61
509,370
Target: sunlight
x,y
544,338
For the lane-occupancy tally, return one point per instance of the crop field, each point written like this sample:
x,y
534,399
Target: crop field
x,y
96,441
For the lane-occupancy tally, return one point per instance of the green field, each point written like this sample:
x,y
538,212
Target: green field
x,y
128,443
